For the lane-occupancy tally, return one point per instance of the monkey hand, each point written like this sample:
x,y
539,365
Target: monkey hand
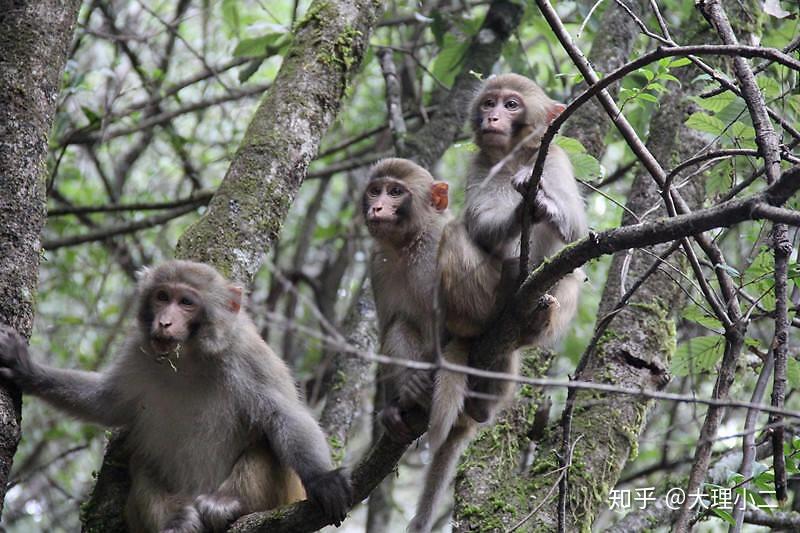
x,y
520,179
417,389
15,360
396,427
332,492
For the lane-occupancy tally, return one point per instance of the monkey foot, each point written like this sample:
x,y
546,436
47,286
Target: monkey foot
x,y
477,410
549,301
397,429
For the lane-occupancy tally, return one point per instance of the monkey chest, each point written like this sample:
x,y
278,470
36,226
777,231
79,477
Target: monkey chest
x,y
404,287
189,438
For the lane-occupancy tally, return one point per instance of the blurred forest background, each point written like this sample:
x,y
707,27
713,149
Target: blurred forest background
x,y
155,101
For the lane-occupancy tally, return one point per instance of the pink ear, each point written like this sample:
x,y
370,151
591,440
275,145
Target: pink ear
x,y
556,109
235,302
439,197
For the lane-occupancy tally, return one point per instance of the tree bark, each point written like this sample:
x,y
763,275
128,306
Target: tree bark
x,y
34,41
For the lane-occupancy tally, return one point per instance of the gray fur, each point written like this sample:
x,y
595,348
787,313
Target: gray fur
x,y
223,434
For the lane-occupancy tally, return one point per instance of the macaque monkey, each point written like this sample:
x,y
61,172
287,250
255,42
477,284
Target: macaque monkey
x,y
215,425
509,117
405,210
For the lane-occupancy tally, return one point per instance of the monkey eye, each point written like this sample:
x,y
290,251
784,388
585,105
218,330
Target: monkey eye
x,y
489,102
188,302
512,105
374,191
396,191
162,296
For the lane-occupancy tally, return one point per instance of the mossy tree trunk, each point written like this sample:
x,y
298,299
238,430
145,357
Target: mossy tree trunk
x,y
247,212
34,41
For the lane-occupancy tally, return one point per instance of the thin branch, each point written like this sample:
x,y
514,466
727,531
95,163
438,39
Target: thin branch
x,y
130,227
86,136
749,440
197,199
394,104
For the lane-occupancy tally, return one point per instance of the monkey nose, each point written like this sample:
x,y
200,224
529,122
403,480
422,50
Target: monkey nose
x,y
164,325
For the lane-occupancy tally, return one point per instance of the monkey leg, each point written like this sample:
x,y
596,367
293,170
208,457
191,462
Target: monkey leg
x,y
440,474
449,393
257,482
468,282
486,395
151,507
408,390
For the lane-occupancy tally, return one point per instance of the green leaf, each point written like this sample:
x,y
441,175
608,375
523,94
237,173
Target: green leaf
x,y
765,480
759,278
705,123
699,354
725,515
445,66
670,77
586,167
680,62
793,372
648,74
694,314
715,104
90,115
268,44
769,86
438,27
230,16
647,97
570,145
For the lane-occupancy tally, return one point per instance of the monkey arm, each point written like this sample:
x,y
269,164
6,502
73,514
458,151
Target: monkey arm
x,y
468,281
413,386
82,394
298,441
493,216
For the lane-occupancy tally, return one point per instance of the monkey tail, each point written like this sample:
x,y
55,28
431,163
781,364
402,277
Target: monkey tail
x,y
440,474
449,393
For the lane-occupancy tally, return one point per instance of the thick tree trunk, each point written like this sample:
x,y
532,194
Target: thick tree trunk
x,y
34,40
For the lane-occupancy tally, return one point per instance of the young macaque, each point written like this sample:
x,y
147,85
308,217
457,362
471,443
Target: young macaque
x,y
215,425
509,117
405,210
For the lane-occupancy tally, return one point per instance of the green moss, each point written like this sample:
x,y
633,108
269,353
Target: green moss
x,y
337,449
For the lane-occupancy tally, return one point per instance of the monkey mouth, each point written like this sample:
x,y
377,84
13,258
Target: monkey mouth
x,y
164,345
493,131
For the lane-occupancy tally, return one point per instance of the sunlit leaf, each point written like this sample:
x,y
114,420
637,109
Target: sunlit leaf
x,y
705,123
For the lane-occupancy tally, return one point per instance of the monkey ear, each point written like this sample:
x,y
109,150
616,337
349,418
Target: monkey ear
x,y
235,303
556,109
439,195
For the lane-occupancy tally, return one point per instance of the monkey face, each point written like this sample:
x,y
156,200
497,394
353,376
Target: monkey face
x,y
386,206
174,311
499,115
